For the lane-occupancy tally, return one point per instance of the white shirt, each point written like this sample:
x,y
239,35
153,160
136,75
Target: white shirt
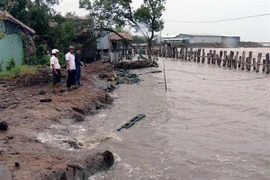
x,y
54,61
71,59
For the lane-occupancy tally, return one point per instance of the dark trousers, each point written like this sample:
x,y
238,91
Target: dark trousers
x,y
71,78
78,76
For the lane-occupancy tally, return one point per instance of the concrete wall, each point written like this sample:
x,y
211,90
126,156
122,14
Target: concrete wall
x,y
11,46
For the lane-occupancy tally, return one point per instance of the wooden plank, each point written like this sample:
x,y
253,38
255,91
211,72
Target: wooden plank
x,y
203,56
209,57
267,63
224,58
243,60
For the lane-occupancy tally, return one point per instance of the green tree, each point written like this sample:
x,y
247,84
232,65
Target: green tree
x,y
139,39
107,14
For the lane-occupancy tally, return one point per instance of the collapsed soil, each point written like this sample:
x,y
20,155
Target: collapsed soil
x,y
26,116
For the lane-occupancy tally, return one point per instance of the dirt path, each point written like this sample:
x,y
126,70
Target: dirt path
x,y
21,108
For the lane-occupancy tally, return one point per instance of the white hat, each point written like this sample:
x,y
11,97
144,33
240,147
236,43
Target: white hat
x,y
54,51
71,47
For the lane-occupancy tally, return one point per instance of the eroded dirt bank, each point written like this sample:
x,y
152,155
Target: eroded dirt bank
x,y
26,116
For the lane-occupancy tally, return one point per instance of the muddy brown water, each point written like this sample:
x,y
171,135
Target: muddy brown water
x,y
212,124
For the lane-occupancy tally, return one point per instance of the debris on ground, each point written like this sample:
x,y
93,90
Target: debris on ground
x,y
46,100
126,77
121,77
136,64
78,118
3,126
132,122
41,92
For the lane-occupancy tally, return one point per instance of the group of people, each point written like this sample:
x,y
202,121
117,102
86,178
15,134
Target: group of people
x,y
73,63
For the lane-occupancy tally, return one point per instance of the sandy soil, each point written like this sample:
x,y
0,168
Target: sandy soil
x,y
21,108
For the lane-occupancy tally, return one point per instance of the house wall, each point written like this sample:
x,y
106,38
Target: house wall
x,y
11,46
206,39
230,42
103,43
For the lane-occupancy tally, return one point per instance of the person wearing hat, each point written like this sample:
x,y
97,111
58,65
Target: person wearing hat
x,y
54,63
71,67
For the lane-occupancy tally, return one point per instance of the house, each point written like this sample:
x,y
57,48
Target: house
x,y
224,40
115,46
11,44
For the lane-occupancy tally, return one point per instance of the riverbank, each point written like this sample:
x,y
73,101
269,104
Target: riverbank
x,y
26,116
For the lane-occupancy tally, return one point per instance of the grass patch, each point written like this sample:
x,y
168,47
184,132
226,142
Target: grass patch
x,y
18,71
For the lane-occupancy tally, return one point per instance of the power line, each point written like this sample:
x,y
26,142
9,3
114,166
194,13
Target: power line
x,y
218,21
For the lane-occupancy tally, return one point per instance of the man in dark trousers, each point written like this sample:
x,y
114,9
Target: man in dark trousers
x,y
71,68
78,67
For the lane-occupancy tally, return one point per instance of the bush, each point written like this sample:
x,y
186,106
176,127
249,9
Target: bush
x,y
10,64
18,71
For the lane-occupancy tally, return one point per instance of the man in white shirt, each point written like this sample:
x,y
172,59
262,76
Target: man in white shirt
x,y
55,66
71,67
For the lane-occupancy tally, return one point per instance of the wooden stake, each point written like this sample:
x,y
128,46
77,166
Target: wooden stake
x,y
199,56
231,61
224,59
254,63
203,54
186,52
243,60
214,57
220,58
209,57
248,62
267,63
236,60
259,58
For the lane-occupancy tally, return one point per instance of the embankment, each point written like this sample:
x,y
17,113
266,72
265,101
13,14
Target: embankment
x,y
26,116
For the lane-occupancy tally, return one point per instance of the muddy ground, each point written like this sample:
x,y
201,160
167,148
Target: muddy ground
x,y
26,116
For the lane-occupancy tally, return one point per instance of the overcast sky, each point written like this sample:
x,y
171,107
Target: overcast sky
x,y
254,29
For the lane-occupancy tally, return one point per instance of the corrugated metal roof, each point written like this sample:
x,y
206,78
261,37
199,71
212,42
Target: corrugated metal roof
x,y
10,18
126,35
212,35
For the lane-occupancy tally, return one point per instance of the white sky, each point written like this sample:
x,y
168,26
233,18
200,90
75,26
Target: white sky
x,y
254,29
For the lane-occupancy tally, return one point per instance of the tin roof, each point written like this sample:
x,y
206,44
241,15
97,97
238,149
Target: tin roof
x,y
10,18
209,35
126,35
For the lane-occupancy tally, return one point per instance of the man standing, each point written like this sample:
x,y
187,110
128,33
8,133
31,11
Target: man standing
x,y
71,68
54,63
78,67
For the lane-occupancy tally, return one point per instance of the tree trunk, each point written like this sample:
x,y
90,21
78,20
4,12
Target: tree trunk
x,y
149,49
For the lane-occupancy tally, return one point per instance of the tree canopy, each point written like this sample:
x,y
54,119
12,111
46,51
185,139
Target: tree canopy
x,y
52,29
146,19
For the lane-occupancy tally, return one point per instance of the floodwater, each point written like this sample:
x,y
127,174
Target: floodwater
x,y
213,123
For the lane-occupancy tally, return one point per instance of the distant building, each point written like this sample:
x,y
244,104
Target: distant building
x,y
11,45
225,40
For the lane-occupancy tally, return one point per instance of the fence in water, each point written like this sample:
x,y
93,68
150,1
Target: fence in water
x,y
232,59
